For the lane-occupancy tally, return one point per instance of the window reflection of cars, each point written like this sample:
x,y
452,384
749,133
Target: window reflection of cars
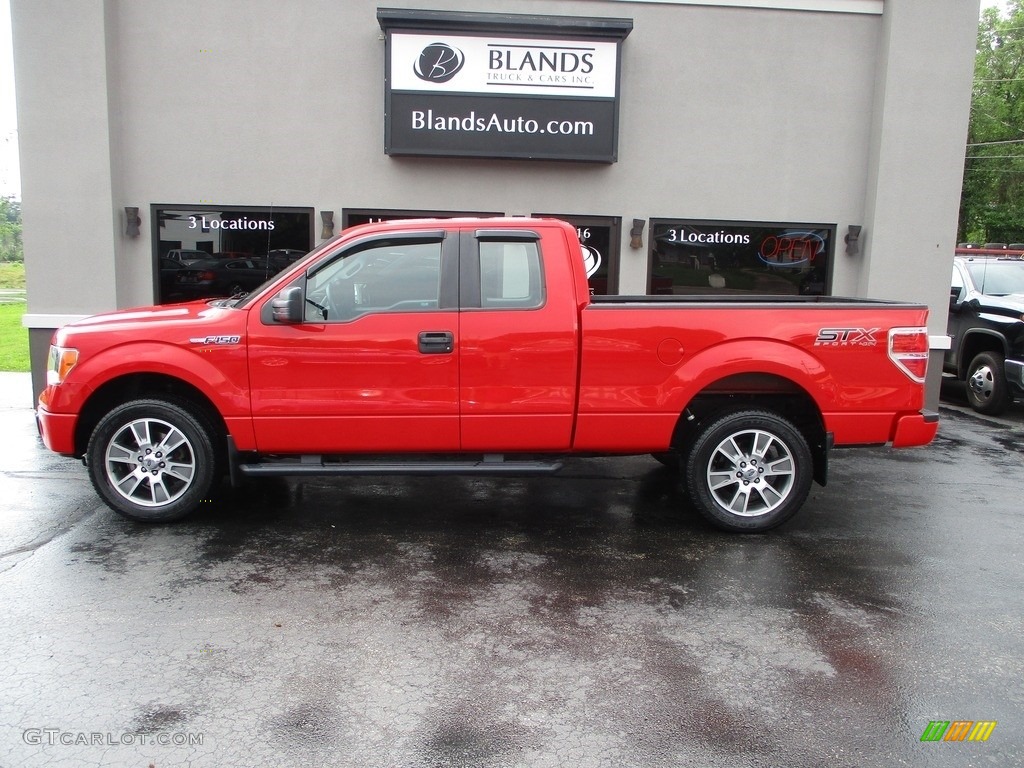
x,y
186,256
169,269
216,277
813,283
285,257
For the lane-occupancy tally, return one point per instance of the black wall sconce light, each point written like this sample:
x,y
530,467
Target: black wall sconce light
x,y
132,221
636,234
852,239
327,220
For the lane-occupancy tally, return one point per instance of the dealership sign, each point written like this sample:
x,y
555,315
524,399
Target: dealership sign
x,y
488,85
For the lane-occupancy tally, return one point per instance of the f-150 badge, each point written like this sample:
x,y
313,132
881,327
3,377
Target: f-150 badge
x,y
216,339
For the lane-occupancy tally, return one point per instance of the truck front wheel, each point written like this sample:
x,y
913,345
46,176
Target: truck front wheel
x,y
151,460
987,391
749,470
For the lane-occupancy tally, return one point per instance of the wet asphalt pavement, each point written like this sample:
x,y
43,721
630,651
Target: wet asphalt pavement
x,y
582,620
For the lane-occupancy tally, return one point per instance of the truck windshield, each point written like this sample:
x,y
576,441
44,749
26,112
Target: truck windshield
x,y
998,278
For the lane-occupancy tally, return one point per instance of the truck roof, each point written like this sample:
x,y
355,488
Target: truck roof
x,y
504,222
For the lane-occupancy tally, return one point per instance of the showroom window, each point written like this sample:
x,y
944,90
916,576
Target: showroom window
x,y
724,257
599,236
353,216
197,250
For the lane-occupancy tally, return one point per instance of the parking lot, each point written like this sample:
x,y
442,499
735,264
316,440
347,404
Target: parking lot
x,y
587,619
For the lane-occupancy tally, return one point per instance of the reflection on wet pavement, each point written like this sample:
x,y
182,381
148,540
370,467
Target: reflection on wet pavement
x,y
587,619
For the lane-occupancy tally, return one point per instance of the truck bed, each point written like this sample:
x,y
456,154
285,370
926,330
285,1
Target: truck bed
x,y
709,300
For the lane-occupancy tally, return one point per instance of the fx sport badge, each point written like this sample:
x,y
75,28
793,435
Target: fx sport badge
x,y
438,63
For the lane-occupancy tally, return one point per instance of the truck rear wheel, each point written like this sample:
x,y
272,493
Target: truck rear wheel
x,y
151,460
987,390
749,470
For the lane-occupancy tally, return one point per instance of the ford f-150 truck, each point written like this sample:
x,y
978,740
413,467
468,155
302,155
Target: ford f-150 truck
x,y
474,346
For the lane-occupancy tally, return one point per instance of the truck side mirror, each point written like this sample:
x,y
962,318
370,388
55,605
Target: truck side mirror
x,y
954,298
289,305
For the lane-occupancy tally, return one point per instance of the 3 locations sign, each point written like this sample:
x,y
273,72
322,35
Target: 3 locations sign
x,y
695,257
501,86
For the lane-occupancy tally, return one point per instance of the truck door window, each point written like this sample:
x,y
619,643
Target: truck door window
x,y
997,278
510,275
390,277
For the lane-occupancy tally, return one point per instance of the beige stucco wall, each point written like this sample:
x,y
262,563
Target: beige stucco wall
x,y
729,112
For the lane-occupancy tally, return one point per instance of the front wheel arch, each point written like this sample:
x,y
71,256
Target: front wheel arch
x,y
140,386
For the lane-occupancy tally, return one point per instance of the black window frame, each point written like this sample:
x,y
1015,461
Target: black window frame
x,y
470,297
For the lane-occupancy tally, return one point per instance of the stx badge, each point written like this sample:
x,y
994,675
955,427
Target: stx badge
x,y
846,337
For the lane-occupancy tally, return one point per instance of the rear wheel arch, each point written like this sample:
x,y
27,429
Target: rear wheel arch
x,y
756,391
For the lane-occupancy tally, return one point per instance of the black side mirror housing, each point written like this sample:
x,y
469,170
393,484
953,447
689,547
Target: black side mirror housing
x,y
289,305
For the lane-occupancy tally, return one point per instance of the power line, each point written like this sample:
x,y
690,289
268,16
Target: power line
x,y
994,143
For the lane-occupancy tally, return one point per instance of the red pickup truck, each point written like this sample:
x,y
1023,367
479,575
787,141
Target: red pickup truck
x,y
474,346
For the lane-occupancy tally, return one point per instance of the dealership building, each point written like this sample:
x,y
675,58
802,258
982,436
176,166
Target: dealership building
x,y
699,146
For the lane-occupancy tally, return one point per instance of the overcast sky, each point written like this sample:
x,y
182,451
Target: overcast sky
x,y
10,177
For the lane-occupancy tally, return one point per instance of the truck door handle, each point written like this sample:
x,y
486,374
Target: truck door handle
x,y
436,342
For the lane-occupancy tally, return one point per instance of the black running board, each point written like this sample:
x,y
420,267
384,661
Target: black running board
x,y
484,467
316,466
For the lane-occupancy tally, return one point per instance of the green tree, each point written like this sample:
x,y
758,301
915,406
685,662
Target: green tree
x,y
10,230
992,203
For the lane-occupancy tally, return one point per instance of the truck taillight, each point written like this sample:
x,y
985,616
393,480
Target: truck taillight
x,y
908,350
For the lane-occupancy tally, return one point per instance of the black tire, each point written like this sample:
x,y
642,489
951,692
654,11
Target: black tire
x,y
987,390
748,470
152,460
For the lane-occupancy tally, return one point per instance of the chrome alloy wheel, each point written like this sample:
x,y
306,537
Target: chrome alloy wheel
x,y
150,462
751,472
983,382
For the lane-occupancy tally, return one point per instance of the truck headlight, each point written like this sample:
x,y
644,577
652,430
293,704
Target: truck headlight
x,y
60,363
